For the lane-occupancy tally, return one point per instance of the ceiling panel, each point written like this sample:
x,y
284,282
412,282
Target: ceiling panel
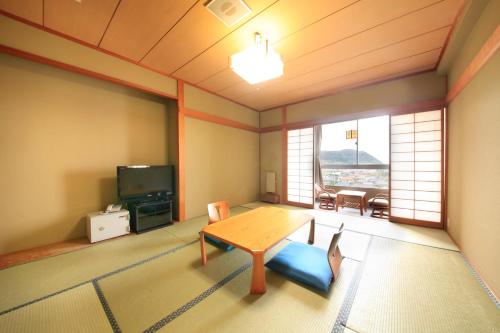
x,y
195,33
86,20
31,10
278,21
424,43
413,64
327,45
138,25
395,31
292,40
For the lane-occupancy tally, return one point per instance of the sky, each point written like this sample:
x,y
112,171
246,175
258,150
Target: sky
x,y
373,136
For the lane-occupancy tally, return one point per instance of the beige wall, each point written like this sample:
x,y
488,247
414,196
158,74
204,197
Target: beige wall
x,y
270,159
200,100
61,137
270,118
421,87
468,47
29,39
222,163
474,160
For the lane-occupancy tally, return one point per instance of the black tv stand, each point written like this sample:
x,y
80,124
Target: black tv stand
x,y
150,215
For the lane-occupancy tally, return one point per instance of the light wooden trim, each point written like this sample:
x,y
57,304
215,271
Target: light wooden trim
x,y
489,48
446,156
216,94
219,120
37,253
284,157
82,71
271,129
391,110
113,54
420,223
181,150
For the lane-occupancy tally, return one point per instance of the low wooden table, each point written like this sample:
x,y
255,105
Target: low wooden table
x,y
352,199
256,232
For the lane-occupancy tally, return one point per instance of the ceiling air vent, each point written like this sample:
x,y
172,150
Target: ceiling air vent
x,y
229,11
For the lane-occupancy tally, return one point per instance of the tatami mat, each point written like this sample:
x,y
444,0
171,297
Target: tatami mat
x,y
157,282
352,244
286,307
411,288
377,227
23,283
37,279
141,296
77,310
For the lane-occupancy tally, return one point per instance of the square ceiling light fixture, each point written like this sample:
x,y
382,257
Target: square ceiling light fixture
x,y
258,63
229,11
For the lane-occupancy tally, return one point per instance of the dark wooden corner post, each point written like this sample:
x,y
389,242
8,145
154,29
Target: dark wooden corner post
x,y
181,150
284,157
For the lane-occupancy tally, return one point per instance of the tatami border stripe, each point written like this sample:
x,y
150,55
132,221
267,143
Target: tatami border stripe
x,y
175,314
36,300
106,308
399,240
99,277
346,306
483,285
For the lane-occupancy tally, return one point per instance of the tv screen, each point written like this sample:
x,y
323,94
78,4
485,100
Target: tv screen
x,y
136,181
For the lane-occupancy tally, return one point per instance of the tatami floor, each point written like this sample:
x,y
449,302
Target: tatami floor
x,y
394,278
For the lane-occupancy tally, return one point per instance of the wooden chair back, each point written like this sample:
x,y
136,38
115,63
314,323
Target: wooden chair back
x,y
334,255
218,211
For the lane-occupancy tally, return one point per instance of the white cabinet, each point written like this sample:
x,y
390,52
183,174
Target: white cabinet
x,y
101,226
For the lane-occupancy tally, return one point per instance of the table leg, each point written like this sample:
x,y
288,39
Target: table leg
x,y
337,203
311,232
258,274
203,251
361,204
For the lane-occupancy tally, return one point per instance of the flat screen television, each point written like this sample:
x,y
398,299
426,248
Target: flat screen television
x,y
145,181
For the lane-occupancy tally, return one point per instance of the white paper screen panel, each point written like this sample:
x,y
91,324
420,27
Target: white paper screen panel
x,y
416,175
300,166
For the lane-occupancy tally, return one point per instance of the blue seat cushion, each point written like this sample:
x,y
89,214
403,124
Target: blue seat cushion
x,y
219,244
303,263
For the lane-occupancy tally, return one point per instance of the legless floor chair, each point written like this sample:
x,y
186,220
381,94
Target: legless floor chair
x,y
218,211
308,264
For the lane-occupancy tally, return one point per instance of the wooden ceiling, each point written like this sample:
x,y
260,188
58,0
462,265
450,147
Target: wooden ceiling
x,y
327,45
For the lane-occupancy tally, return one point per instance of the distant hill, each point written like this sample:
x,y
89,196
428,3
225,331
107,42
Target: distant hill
x,y
347,156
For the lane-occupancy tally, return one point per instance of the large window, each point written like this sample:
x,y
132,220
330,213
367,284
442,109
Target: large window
x,y
356,153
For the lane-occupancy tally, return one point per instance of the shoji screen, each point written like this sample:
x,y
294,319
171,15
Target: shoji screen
x,y
416,168
300,166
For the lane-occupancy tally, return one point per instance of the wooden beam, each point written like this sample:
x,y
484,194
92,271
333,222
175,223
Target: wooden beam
x,y
284,157
390,110
181,150
489,48
82,71
219,120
